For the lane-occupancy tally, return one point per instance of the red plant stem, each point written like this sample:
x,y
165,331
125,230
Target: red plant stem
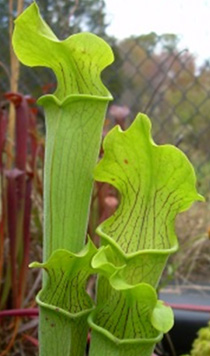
x,y
3,130
30,338
37,179
36,149
18,193
33,139
26,240
190,307
35,311
12,222
22,118
21,138
23,190
21,142
12,217
21,128
30,312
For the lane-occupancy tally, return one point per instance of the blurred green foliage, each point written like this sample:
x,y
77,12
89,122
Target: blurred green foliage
x,y
201,345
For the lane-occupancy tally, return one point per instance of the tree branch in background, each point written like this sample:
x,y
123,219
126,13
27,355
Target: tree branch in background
x,y
76,4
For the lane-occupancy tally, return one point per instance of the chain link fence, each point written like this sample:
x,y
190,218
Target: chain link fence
x,y
149,75
152,74
175,93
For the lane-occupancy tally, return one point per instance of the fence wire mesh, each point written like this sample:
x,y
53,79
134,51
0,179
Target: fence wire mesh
x,y
149,75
